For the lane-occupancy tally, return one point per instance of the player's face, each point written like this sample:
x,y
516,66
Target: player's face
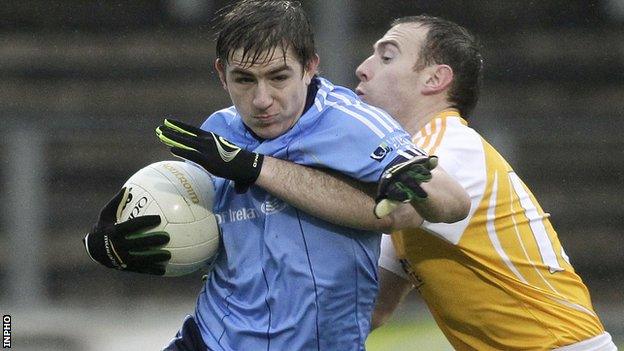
x,y
388,78
270,95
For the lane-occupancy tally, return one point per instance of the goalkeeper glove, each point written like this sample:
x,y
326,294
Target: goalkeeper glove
x,y
125,246
213,152
400,183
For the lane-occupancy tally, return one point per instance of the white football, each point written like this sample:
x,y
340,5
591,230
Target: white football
x,y
182,194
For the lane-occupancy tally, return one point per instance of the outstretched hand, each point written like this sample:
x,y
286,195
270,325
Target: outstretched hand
x,y
400,183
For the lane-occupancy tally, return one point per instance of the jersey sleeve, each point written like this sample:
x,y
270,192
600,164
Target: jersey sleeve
x,y
461,155
356,140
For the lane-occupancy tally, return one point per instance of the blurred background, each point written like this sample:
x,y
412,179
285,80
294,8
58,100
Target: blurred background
x,y
83,84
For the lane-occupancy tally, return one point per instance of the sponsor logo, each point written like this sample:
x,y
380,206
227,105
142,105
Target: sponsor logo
x,y
241,214
185,183
6,331
226,155
255,162
272,205
381,151
110,250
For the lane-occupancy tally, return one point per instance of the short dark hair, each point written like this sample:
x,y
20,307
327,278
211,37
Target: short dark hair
x,y
258,27
451,44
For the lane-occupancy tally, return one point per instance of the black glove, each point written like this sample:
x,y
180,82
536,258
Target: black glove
x,y
211,151
400,183
125,246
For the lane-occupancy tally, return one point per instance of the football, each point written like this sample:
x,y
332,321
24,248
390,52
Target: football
x,y
182,194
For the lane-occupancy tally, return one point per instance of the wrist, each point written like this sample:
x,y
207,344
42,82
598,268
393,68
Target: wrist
x,y
101,250
250,167
266,172
255,162
85,241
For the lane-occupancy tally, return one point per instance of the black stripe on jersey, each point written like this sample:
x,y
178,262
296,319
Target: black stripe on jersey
x,y
227,306
318,340
269,308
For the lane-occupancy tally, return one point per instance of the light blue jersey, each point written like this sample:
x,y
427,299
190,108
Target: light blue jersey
x,y
285,280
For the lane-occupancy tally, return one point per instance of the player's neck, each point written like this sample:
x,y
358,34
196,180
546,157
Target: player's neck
x,y
423,114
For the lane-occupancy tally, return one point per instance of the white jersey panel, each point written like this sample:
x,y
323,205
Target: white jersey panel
x,y
469,170
388,258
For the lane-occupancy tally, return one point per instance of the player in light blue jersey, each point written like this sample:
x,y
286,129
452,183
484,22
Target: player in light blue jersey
x,y
292,273
288,280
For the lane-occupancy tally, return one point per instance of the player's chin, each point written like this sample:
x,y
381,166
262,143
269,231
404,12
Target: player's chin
x,y
371,100
269,130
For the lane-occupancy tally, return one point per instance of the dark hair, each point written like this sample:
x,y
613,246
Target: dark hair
x,y
451,44
258,27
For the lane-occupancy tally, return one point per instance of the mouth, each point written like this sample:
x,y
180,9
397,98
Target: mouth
x,y
264,117
359,92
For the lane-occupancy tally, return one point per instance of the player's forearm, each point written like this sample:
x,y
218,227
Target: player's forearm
x,y
333,198
447,200
404,216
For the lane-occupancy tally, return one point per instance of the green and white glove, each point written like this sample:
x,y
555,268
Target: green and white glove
x,y
126,246
400,183
213,152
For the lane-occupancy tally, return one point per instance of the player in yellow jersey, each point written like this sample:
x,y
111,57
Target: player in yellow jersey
x,y
499,279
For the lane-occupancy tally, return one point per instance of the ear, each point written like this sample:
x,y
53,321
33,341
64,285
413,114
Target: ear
x,y
438,78
220,68
311,69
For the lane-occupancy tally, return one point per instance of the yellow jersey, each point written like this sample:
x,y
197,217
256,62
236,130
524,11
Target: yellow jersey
x,y
499,279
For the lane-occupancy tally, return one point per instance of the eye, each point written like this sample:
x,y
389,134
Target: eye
x,y
280,78
243,80
387,56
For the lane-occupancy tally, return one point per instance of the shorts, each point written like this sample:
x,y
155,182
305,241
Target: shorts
x,y
188,338
602,342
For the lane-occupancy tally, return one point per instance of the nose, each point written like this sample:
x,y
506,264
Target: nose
x,y
262,98
363,72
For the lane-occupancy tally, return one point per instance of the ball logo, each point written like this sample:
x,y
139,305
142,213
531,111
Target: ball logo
x,y
185,183
129,199
138,207
272,205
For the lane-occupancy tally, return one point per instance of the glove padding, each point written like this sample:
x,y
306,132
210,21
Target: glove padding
x,y
125,246
400,183
213,152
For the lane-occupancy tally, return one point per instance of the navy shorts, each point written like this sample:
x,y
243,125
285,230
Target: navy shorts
x,y
188,338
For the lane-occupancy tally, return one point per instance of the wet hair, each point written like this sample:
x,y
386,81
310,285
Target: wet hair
x,y
451,44
259,27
